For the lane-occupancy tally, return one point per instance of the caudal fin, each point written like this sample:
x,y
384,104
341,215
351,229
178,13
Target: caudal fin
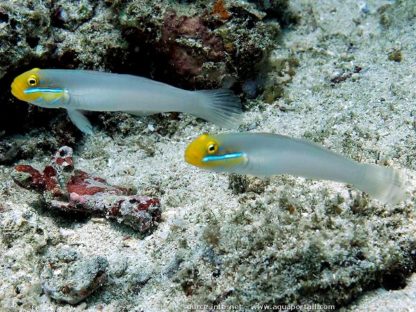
x,y
221,107
385,184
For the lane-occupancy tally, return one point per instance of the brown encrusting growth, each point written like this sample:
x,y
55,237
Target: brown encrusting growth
x,y
220,10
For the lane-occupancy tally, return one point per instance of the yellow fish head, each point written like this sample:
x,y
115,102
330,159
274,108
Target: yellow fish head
x,y
208,152
33,88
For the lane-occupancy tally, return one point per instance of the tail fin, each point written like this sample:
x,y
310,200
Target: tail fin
x,y
221,107
385,184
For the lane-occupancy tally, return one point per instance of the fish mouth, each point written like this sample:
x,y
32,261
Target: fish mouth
x,y
192,158
17,91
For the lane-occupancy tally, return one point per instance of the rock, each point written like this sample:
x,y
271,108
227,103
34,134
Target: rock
x,y
71,278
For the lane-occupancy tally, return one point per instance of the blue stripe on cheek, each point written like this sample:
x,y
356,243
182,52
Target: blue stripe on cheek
x,y
222,157
45,90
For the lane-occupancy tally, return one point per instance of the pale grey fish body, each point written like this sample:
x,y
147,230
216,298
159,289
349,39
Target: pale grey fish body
x,y
107,92
101,91
270,154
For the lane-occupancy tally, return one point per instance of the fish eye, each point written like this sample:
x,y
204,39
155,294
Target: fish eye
x,y
212,148
32,81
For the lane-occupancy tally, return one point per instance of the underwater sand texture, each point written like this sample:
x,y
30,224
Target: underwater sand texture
x,y
244,241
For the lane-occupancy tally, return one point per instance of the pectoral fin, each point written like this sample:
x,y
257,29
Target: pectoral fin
x,y
79,120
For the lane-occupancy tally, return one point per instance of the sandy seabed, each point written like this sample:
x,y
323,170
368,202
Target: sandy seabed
x,y
284,239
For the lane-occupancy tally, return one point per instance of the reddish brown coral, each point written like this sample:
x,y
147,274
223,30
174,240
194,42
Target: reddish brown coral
x,y
139,212
63,158
28,177
184,59
33,179
76,191
82,183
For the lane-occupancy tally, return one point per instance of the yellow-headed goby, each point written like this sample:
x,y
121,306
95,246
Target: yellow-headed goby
x,y
262,154
83,90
